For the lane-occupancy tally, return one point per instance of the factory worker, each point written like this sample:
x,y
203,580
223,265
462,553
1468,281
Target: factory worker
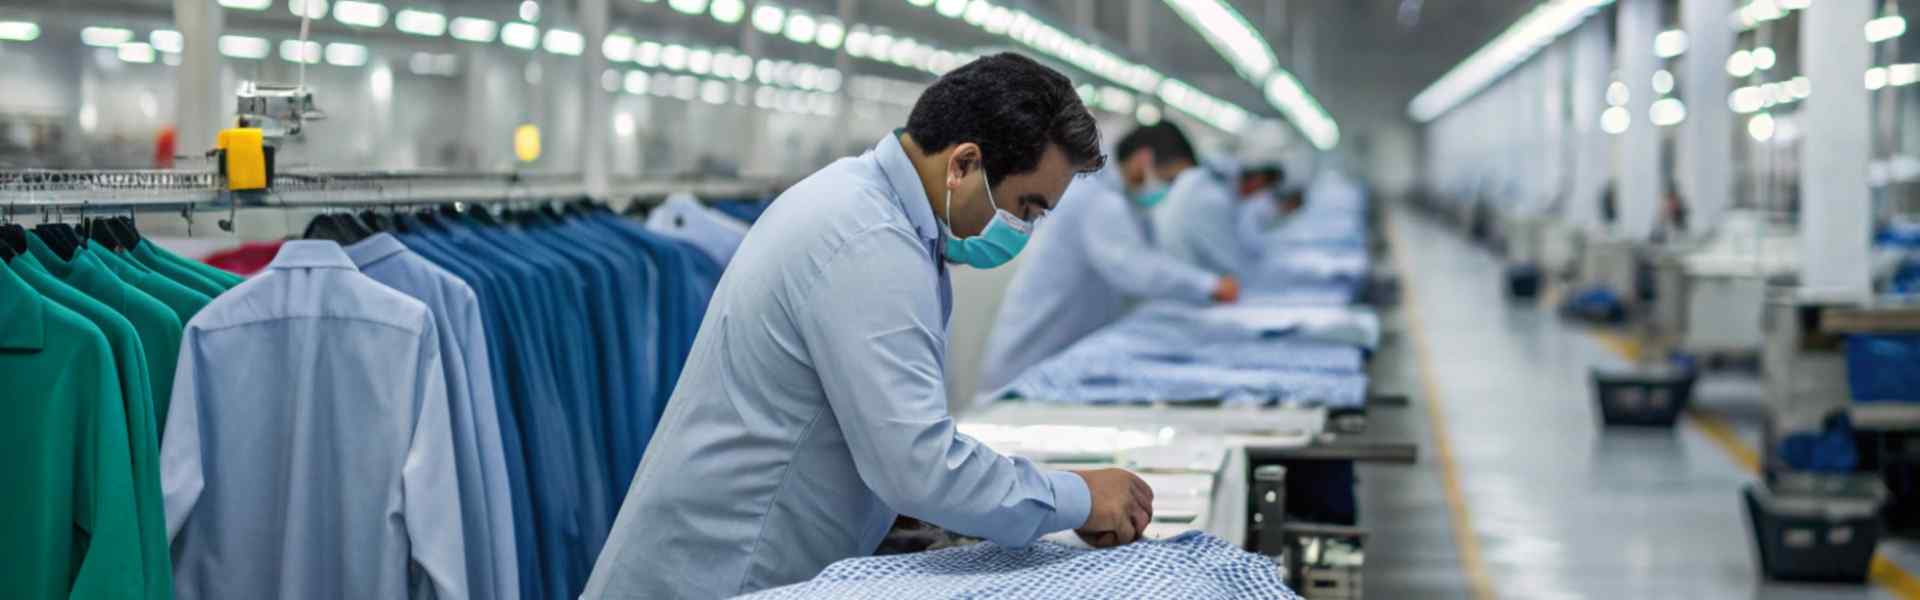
x,y
1094,259
1203,221
813,410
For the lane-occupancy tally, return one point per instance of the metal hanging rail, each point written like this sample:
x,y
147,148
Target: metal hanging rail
x,y
182,189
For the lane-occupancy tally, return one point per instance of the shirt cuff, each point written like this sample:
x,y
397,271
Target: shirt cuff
x,y
1072,502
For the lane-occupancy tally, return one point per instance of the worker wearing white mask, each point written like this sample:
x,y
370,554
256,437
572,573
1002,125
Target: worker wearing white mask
x,y
1095,258
812,409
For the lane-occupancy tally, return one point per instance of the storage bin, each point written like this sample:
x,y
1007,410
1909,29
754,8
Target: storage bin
x,y
1647,397
1816,534
1884,368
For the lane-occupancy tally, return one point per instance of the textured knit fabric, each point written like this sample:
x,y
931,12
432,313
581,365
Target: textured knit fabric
x,y
1191,566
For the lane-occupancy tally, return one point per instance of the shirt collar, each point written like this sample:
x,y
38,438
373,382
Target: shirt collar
x,y
311,254
374,249
24,326
905,181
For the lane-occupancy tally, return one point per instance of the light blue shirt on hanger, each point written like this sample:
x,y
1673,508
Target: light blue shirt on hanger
x,y
813,407
308,452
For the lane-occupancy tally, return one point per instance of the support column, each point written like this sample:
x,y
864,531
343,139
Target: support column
x,y
1637,181
1834,200
596,108
1707,135
1139,34
198,99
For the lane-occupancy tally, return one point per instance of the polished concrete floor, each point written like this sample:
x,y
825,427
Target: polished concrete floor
x,y
1512,452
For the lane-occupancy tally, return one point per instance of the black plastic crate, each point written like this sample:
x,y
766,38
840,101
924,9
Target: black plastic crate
x,y
1805,539
1650,397
1523,281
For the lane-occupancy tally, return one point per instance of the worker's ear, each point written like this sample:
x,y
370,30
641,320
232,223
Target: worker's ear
x,y
962,162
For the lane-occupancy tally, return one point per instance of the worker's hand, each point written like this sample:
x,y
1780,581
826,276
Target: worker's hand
x,y
1122,507
1227,291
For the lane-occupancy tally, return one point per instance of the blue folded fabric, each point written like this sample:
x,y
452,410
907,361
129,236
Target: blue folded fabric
x,y
1193,565
1169,356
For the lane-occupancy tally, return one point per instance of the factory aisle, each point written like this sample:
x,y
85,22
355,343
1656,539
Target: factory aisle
x,y
1558,507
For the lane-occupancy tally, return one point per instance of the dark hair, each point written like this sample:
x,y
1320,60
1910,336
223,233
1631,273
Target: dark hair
x,y
1013,108
1164,139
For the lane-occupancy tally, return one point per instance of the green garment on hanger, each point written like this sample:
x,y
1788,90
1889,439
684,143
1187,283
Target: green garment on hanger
x,y
63,429
130,360
143,255
222,278
159,326
182,299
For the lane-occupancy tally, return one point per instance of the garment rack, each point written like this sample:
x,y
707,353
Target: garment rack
x,y
135,189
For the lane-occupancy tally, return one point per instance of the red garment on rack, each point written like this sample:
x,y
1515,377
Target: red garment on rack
x,y
245,259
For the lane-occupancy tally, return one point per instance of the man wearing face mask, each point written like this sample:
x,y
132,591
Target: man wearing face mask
x,y
1095,258
812,409
1206,217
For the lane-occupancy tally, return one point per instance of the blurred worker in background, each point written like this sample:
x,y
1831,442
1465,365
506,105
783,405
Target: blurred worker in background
x,y
1095,258
813,407
1204,221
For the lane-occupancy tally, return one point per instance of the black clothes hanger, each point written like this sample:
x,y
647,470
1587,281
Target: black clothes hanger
x,y
123,227
14,237
59,237
375,221
334,227
96,230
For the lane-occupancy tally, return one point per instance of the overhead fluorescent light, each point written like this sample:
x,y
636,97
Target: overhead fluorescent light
x,y
341,54
246,4
950,8
1761,127
831,34
293,51
1667,112
768,18
800,28
312,9
243,46
727,11
1670,43
530,11
420,22
691,7
1300,109
358,13
19,31
105,37
520,35
1230,35
1886,28
1615,120
469,29
166,40
1518,43
617,47
135,52
674,57
561,41
647,54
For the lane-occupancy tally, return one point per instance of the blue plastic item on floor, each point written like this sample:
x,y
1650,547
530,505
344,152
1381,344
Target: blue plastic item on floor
x,y
1192,565
1830,450
1884,368
1596,304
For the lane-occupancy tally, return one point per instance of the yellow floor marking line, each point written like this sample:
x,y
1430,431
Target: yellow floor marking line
x,y
1884,573
1465,539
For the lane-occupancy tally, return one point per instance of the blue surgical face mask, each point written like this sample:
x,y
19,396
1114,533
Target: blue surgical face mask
x,y
999,242
1151,192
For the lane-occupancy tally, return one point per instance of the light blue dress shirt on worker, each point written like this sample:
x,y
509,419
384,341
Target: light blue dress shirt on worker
x,y
1200,221
308,452
813,407
1088,263
485,503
